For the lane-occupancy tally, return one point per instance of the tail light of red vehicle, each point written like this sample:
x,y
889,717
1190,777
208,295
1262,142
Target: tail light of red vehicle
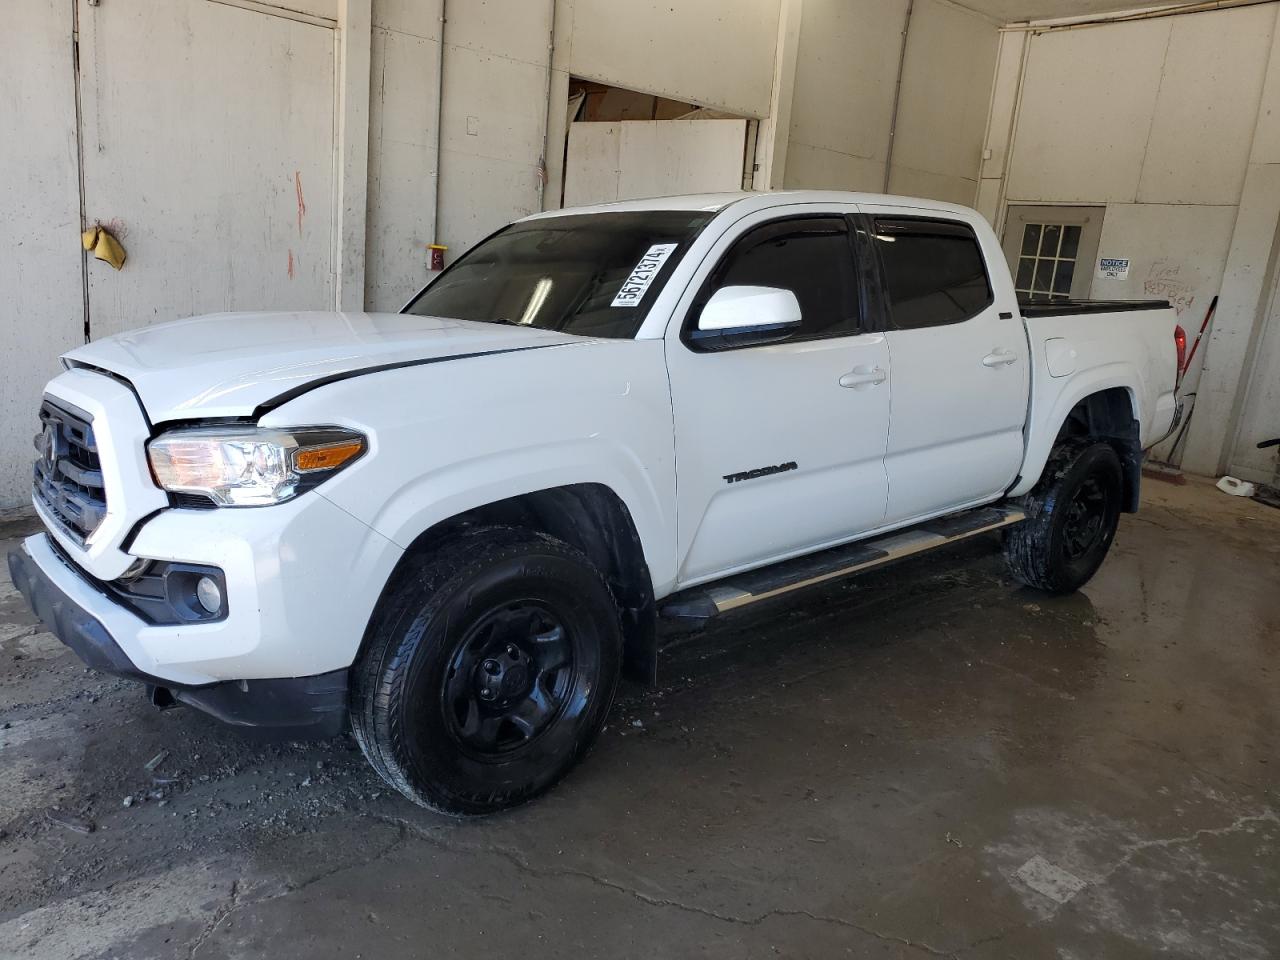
x,y
1180,341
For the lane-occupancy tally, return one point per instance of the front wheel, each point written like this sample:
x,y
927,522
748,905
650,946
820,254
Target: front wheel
x,y
1072,515
488,671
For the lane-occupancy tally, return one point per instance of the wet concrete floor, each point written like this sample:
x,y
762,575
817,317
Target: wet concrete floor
x,y
926,761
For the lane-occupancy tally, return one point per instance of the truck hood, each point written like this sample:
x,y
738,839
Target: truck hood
x,y
230,364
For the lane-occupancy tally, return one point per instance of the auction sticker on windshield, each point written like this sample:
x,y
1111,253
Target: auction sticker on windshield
x,y
633,288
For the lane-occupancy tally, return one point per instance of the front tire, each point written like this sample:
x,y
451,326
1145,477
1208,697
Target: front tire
x,y
1072,515
489,671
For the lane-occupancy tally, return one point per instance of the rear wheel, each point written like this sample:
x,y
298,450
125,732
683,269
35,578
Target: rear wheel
x,y
1072,515
489,671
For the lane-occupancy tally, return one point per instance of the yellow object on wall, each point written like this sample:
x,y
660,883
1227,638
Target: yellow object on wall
x,y
103,245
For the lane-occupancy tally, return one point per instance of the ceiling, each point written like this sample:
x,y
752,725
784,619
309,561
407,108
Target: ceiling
x,y
1010,11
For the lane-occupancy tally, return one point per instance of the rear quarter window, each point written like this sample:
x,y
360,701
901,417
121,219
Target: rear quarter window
x,y
934,272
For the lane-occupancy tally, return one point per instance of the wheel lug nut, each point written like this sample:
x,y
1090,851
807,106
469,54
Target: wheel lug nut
x,y
486,692
491,666
512,651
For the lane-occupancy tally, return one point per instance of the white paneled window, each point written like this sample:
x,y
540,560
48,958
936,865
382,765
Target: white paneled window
x,y
1051,250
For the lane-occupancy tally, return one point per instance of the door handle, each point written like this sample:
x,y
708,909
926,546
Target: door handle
x,y
863,377
999,358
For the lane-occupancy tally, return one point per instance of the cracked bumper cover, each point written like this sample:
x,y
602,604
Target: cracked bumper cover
x,y
313,706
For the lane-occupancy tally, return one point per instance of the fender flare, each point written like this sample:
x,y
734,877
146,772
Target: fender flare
x,y
1044,427
433,498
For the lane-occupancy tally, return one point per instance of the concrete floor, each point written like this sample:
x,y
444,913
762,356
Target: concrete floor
x,y
926,762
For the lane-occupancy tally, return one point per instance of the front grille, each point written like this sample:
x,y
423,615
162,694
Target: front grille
x,y
68,474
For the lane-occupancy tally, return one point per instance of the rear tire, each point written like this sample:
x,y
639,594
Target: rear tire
x,y
1072,515
488,672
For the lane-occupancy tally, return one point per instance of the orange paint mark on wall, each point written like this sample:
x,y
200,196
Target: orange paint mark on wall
x,y
290,263
302,204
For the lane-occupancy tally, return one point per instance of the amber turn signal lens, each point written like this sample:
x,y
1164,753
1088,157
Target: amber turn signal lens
x,y
327,456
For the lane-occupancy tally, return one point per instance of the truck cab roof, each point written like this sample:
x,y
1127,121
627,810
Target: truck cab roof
x,y
759,200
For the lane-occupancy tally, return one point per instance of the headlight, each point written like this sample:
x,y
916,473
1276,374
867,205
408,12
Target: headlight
x,y
248,466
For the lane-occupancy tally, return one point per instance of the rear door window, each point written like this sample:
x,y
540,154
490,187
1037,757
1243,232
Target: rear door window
x,y
934,272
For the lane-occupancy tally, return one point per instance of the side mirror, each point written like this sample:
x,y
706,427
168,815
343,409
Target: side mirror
x,y
744,316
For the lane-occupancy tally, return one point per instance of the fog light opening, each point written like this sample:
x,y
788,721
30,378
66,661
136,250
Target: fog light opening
x,y
209,594
134,570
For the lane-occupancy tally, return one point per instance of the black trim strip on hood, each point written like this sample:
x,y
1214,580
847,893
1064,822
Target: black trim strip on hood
x,y
123,381
293,393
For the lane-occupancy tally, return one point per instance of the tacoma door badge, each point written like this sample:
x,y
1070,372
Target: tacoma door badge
x,y
760,472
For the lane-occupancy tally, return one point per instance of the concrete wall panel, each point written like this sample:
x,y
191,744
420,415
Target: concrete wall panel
x,y
714,54
511,29
843,97
1205,113
483,194
494,116
1088,100
946,91
592,163
222,192
402,165
908,182
421,18
1260,419
681,156
1177,252
40,278
815,168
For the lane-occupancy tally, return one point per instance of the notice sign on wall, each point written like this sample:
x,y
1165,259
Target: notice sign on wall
x,y
1113,268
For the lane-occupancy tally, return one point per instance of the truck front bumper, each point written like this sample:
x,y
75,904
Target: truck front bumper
x,y
314,706
302,579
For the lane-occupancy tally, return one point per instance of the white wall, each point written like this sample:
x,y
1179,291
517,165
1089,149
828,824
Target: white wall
x,y
843,101
494,115
492,119
40,269
496,111
842,104
715,53
1155,120
947,75
404,93
1251,335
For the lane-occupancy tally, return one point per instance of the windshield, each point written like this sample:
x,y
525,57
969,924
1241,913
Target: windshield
x,y
594,275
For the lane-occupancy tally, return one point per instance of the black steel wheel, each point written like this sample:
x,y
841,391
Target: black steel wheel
x,y
1084,520
1072,516
510,676
488,671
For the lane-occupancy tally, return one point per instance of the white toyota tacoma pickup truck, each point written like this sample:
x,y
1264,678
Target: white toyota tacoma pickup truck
x,y
451,528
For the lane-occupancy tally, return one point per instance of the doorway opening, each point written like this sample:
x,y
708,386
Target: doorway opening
x,y
624,145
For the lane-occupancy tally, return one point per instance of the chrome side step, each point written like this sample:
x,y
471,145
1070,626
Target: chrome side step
x,y
743,589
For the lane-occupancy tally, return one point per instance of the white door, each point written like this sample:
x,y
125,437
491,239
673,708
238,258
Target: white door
x,y
630,159
774,456
208,137
960,364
